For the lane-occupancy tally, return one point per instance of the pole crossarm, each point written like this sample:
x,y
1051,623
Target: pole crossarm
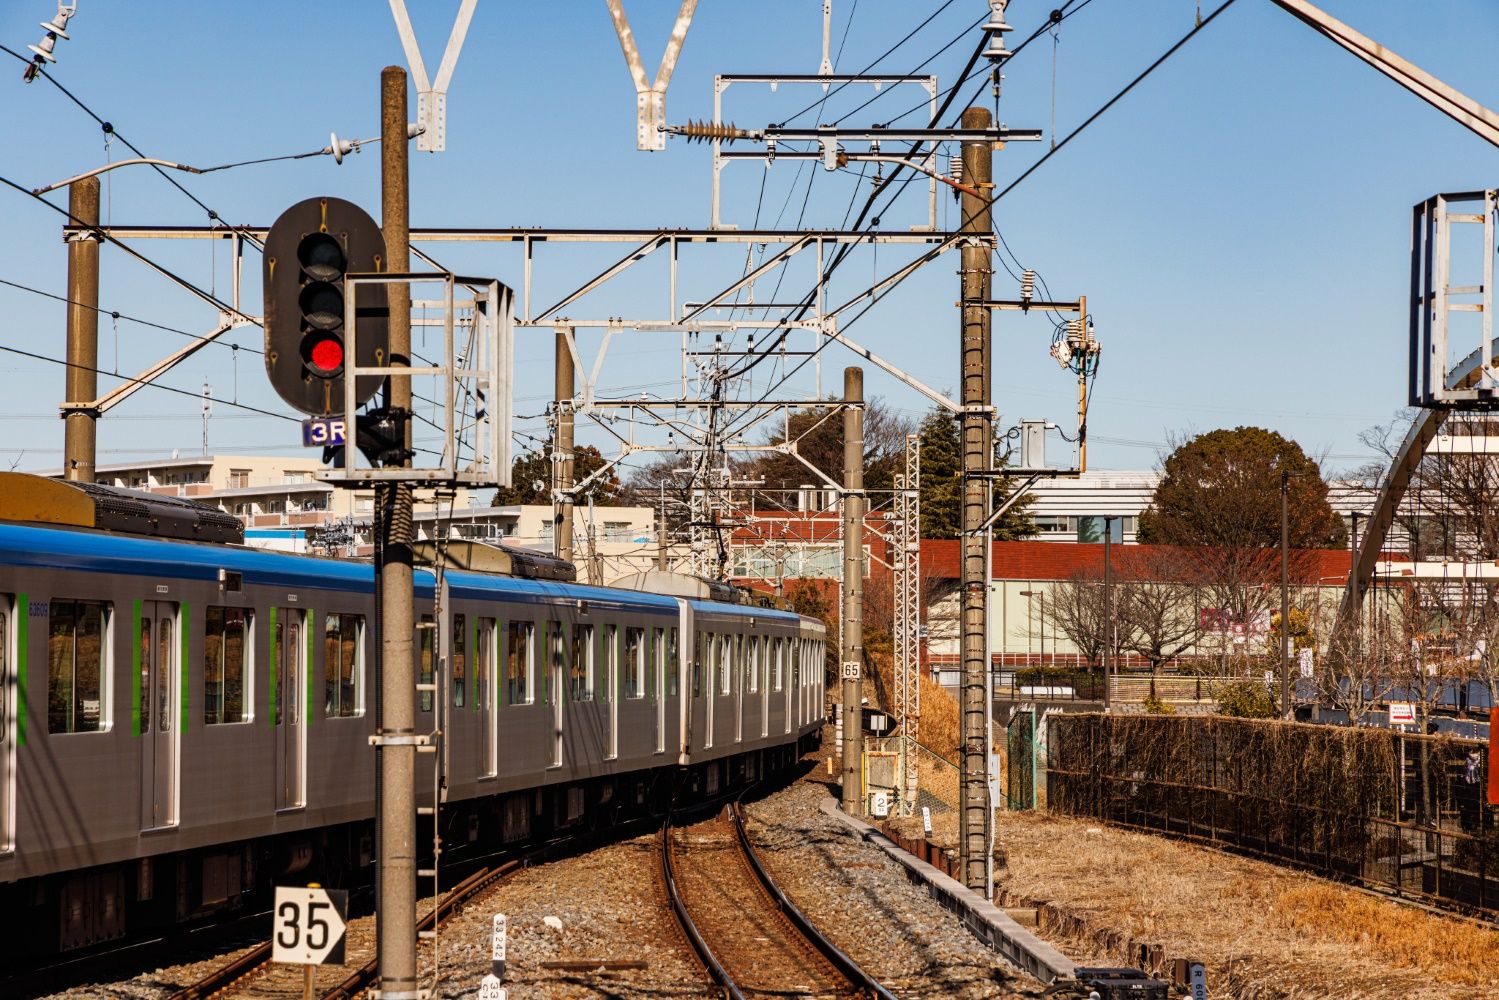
x,y
546,235
1452,102
128,388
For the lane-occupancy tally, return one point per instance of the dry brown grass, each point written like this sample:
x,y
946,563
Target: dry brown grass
x,y
1264,932
1452,951
939,710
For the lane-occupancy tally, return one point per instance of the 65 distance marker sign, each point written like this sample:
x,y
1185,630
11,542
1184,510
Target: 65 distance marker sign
x,y
308,926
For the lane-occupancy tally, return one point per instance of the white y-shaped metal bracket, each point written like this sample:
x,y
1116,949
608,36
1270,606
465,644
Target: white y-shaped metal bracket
x,y
432,96
650,99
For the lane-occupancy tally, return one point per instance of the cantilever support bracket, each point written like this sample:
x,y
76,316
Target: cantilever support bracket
x,y
650,98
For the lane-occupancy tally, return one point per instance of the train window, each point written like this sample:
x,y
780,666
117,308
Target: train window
x,y
556,662
752,665
725,665
145,682
657,672
777,665
519,637
460,659
426,647
580,672
4,673
634,662
226,664
673,664
609,650
343,665
697,665
796,664
76,668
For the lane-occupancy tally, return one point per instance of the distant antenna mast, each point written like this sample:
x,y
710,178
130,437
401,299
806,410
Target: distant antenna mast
x,y
650,98
432,96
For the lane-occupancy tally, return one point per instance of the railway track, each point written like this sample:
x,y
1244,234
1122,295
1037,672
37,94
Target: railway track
x,y
750,937
254,976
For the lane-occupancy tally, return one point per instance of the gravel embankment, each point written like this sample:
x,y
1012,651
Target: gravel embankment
x,y
866,905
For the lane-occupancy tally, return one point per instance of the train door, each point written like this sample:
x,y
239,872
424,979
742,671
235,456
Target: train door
x,y
484,696
788,668
289,714
160,713
8,722
658,685
556,667
739,672
608,687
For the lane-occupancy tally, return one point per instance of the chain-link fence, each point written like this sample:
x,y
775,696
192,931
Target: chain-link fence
x,y
1401,811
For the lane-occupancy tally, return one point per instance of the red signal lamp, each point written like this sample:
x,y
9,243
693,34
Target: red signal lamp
x,y
326,356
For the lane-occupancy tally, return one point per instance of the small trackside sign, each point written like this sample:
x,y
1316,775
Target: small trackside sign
x,y
1402,713
497,947
308,925
850,670
490,989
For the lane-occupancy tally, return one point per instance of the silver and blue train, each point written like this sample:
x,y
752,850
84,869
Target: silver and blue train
x,y
185,721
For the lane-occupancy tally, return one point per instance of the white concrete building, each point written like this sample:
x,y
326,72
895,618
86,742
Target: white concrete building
x,y
283,507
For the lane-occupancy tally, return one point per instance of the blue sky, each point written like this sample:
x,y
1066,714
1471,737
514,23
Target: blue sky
x,y
1239,223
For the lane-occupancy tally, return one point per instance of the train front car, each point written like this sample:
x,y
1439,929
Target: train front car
x,y
185,722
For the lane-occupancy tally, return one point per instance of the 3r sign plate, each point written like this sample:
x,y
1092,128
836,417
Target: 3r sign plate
x,y
308,926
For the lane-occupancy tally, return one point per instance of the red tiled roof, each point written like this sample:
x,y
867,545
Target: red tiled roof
x,y
1032,560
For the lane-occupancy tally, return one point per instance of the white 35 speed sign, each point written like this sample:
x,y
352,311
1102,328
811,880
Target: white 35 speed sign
x,y
308,926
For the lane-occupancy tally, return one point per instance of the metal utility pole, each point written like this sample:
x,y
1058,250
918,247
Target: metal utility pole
x,y
396,866
1285,597
1108,615
661,530
852,657
80,417
976,816
562,452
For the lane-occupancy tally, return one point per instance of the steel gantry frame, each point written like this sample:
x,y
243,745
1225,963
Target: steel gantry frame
x,y
699,418
906,628
1438,386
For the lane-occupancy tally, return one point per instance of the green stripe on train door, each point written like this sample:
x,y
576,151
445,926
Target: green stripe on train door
x,y
135,670
307,712
182,666
270,705
23,613
474,659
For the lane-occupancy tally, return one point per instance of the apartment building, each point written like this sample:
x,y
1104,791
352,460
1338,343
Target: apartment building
x,y
283,506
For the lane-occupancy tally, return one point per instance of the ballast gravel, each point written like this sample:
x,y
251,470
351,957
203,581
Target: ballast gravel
x,y
866,905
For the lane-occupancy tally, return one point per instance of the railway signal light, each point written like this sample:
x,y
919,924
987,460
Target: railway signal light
x,y
309,252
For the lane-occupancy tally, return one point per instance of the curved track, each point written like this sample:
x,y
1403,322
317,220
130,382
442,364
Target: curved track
x,y
753,941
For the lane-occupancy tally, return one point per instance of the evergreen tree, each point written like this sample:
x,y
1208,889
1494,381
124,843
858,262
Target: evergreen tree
x,y
531,479
942,484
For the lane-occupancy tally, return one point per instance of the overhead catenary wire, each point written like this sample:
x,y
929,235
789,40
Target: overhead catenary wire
x,y
986,203
845,249
113,314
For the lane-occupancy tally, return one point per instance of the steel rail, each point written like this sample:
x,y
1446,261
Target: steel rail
x,y
715,970
845,965
226,976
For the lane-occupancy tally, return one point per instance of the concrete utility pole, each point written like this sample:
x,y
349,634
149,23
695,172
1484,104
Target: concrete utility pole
x,y
1285,597
396,866
852,658
562,453
975,814
80,426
